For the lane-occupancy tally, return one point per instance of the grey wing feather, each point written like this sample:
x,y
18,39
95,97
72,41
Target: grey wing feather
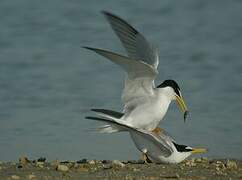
x,y
133,68
115,114
161,142
134,43
167,136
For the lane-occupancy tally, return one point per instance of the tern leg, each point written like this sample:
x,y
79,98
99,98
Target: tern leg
x,y
145,158
157,131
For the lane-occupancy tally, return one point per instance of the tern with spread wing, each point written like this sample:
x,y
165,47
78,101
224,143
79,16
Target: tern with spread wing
x,y
145,105
158,148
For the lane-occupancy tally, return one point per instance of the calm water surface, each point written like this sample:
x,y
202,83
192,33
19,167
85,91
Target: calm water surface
x,y
48,83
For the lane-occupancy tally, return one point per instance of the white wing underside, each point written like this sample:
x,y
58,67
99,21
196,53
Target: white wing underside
x,y
139,84
136,91
139,87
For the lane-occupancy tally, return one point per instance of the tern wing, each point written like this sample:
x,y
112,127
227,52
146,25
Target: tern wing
x,y
134,69
137,90
139,85
109,113
137,47
161,142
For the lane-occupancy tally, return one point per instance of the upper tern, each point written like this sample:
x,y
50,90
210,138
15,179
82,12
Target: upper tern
x,y
158,148
145,104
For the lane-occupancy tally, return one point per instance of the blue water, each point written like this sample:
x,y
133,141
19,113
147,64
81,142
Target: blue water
x,y
48,83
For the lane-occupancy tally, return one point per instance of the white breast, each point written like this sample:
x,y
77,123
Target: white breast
x,y
147,113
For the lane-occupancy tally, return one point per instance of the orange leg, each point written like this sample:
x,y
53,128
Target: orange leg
x,y
145,158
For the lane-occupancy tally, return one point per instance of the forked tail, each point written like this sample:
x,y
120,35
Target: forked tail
x,y
109,116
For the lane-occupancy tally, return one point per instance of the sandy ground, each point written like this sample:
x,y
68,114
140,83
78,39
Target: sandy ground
x,y
201,168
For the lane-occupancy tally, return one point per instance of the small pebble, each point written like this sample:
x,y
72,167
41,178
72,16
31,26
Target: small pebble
x,y
92,162
190,163
94,169
118,163
71,165
40,164
55,163
219,162
23,160
204,158
198,160
192,160
76,165
32,177
62,168
107,166
15,177
231,164
136,170
83,169
129,177
220,165
220,173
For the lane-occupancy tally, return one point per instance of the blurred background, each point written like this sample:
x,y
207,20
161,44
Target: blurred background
x,y
48,82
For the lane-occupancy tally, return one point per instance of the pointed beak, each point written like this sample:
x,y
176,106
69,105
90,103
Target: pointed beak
x,y
198,150
181,103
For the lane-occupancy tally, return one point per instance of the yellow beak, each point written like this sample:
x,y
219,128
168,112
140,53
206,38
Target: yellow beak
x,y
181,103
198,150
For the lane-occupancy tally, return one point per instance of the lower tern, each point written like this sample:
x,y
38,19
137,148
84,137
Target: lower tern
x,y
145,104
155,148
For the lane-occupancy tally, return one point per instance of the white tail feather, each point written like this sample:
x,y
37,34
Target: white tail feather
x,y
109,128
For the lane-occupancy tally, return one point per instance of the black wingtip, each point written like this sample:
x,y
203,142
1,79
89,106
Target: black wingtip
x,y
89,117
95,110
86,47
95,118
107,14
98,110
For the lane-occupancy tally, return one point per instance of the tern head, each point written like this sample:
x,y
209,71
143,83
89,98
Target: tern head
x,y
172,90
183,151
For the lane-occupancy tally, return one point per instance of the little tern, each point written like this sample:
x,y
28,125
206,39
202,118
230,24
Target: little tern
x,y
158,148
145,104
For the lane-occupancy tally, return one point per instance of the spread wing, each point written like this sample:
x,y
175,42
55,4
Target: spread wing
x,y
134,69
135,44
139,85
137,89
